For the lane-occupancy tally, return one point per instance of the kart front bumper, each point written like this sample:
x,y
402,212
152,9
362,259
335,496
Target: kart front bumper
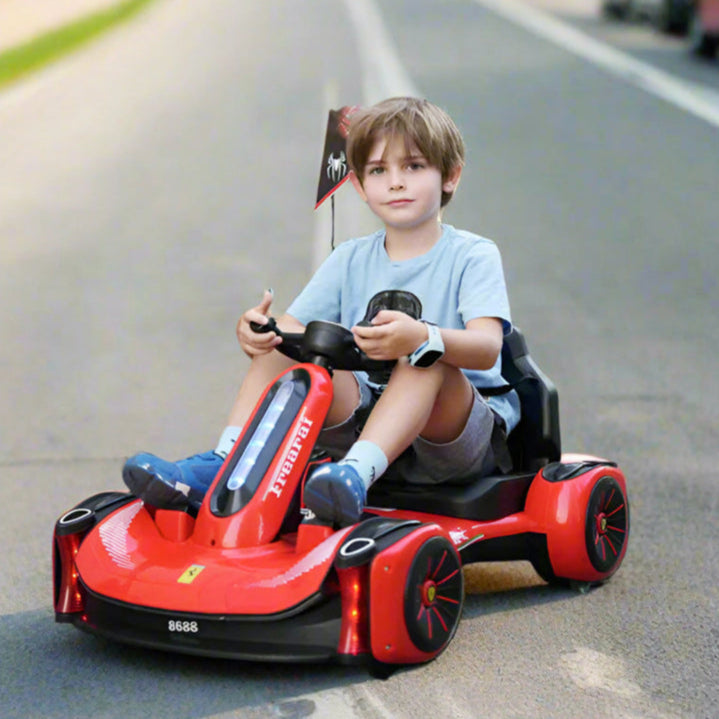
x,y
309,632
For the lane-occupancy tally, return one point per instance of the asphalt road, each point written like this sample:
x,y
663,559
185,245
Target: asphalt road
x,y
152,186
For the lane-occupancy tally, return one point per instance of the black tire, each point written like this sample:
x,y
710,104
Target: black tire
x,y
607,525
433,595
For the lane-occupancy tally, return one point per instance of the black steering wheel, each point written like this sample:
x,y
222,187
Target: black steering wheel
x,y
332,346
324,343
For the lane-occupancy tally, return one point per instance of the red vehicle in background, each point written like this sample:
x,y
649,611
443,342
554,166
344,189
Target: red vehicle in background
x,y
704,28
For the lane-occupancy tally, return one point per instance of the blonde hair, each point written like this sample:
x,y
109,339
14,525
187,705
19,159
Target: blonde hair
x,y
418,122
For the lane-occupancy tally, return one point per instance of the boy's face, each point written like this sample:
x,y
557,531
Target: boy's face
x,y
401,187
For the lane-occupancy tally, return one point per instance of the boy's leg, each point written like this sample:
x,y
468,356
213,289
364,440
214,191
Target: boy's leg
x,y
173,484
265,368
434,403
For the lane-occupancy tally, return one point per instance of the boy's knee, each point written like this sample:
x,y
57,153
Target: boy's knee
x,y
346,400
438,374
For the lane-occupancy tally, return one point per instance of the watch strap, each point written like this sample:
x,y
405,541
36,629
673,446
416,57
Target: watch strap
x,y
431,350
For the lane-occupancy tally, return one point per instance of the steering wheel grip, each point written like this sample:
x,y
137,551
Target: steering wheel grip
x,y
270,326
329,340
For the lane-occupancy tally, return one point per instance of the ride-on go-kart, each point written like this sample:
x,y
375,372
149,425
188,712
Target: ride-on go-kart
x,y
253,576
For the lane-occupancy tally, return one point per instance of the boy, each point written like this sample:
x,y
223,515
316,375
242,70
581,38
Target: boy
x,y
407,157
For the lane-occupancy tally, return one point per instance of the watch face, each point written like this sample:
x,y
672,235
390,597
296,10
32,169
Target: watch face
x,y
428,358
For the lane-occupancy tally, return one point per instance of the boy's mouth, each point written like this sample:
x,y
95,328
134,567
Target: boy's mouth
x,y
399,203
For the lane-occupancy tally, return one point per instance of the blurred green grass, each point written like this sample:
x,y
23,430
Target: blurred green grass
x,y
23,59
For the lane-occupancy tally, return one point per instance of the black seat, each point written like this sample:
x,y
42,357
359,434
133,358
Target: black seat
x,y
533,443
536,439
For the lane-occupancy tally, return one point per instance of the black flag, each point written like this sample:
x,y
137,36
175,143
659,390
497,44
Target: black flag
x,y
334,171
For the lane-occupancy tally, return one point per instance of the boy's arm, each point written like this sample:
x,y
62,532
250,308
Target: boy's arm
x,y
475,347
394,334
256,343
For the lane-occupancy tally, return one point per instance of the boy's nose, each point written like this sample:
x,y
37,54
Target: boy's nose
x,y
396,182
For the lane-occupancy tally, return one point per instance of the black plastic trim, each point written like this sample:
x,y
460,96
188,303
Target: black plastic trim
x,y
559,472
382,532
97,507
498,549
308,632
485,499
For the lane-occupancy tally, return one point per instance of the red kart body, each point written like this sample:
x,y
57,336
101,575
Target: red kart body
x,y
252,576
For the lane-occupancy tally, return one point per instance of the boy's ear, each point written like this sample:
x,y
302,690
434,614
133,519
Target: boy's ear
x,y
358,186
450,184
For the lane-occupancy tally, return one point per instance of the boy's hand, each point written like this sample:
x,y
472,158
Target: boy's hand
x,y
257,343
392,335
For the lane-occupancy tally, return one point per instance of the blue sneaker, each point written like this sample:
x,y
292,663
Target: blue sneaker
x,y
336,493
171,485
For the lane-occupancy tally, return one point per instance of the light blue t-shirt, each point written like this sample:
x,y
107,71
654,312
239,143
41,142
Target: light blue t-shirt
x,y
459,279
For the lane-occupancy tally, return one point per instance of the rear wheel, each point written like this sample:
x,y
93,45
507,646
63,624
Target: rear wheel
x,y
607,525
434,595
604,533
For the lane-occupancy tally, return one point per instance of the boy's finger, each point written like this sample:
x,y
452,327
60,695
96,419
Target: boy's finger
x,y
382,317
364,332
267,298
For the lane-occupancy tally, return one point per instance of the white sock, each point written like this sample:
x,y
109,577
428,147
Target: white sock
x,y
368,459
227,441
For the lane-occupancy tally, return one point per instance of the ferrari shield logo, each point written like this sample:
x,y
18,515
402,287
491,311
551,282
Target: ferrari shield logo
x,y
190,574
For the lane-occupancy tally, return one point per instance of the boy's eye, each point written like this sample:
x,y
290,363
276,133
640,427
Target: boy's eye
x,y
415,165
375,171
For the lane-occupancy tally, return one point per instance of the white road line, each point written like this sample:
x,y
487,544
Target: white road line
x,y
383,74
619,64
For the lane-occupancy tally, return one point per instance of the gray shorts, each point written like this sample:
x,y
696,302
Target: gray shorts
x,y
469,456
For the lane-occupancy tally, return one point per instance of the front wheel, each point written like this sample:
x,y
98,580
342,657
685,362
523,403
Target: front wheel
x,y
434,595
